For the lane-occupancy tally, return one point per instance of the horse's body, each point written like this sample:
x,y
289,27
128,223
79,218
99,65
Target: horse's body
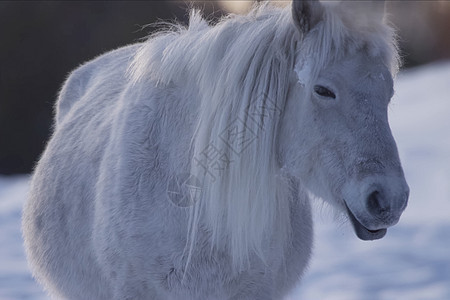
x,y
101,222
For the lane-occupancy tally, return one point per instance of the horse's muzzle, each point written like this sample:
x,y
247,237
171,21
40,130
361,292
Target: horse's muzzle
x,y
381,208
362,232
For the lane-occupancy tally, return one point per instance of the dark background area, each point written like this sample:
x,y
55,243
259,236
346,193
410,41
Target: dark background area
x,y
41,42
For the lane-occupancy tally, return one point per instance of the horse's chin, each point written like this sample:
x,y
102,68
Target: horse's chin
x,y
362,232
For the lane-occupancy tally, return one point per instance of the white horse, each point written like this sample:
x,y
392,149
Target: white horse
x,y
184,167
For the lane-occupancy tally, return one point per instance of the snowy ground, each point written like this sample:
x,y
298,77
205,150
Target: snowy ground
x,y
412,262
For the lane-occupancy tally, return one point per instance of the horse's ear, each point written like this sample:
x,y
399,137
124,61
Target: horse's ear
x,y
306,14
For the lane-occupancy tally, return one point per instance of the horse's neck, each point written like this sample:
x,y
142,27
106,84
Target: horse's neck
x,y
176,113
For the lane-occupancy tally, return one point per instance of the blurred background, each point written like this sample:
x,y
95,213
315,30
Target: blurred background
x,y
42,41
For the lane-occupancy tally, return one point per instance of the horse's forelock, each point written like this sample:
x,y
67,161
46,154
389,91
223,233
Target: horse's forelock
x,y
345,30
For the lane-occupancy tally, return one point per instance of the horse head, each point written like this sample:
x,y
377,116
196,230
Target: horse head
x,y
335,135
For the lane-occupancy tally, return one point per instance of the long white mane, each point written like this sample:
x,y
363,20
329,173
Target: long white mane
x,y
242,68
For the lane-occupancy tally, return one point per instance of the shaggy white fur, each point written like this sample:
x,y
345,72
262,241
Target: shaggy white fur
x,y
180,167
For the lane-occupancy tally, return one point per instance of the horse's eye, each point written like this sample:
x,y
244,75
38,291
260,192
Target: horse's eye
x,y
324,92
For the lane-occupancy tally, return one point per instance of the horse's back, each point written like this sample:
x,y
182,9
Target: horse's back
x,y
59,215
104,72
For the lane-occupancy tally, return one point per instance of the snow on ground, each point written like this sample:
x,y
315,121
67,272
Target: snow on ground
x,y
413,260
15,278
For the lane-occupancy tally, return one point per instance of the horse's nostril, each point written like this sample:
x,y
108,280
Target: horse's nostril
x,y
374,203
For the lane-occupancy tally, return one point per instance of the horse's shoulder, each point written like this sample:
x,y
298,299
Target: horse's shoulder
x,y
99,70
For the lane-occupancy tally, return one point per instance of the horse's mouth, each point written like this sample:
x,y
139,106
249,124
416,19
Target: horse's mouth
x,y
362,232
